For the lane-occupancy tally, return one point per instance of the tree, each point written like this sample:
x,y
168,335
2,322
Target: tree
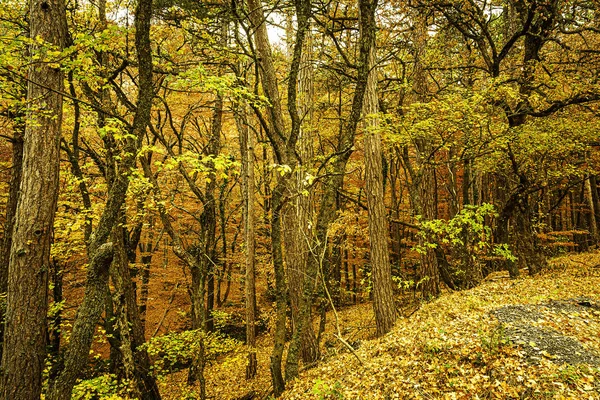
x,y
100,248
383,298
27,304
517,51
247,171
284,149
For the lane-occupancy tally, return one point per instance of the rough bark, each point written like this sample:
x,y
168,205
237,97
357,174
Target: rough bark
x,y
147,249
27,295
422,185
524,240
595,200
333,182
209,214
299,216
383,296
54,336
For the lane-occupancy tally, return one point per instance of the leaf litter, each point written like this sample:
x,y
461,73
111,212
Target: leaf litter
x,y
529,338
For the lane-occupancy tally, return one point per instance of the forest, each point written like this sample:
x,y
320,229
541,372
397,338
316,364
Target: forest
x,y
299,199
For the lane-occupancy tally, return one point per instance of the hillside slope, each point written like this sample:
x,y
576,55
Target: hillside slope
x,y
456,348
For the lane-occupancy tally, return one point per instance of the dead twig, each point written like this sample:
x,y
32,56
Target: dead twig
x,y
337,335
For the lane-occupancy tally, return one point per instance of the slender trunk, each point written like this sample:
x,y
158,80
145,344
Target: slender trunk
x,y
208,257
115,360
280,289
590,200
11,209
283,155
136,361
11,204
247,153
223,228
595,200
396,230
346,274
57,297
209,215
467,182
147,250
75,356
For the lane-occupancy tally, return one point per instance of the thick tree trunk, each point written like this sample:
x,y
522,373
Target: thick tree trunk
x,y
422,187
27,299
524,240
318,262
527,242
383,296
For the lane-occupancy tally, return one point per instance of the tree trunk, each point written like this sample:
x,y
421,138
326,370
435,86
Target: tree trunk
x,y
284,155
115,357
11,205
595,200
27,299
422,187
209,217
136,361
319,262
247,155
590,200
147,249
383,296
54,335
11,209
76,355
298,221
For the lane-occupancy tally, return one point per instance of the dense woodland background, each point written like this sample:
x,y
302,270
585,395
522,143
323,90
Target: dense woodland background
x,y
183,178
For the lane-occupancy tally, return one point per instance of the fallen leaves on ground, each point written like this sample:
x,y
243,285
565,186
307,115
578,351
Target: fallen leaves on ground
x,y
451,348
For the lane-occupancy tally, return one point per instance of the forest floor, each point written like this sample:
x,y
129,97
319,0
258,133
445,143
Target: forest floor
x,y
529,338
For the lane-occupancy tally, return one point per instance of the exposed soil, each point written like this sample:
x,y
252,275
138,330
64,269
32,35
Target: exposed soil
x,y
524,325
